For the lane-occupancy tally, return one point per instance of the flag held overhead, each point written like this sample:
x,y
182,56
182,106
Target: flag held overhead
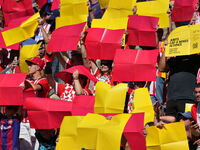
x,y
135,65
92,132
142,30
142,103
51,109
65,38
22,32
110,99
102,43
11,93
66,76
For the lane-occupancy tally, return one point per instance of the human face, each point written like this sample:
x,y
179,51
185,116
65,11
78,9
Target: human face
x,y
104,68
32,68
197,6
41,51
197,94
47,134
76,60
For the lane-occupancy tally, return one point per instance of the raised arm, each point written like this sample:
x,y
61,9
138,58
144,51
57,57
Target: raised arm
x,y
63,59
86,61
83,51
45,35
48,72
162,65
77,86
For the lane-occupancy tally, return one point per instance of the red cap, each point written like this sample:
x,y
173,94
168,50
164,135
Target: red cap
x,y
36,61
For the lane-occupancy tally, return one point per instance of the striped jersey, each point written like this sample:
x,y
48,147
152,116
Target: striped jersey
x,y
9,134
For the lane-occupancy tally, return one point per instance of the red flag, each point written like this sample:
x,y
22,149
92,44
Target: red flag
x,y
10,91
133,132
142,30
17,21
55,4
1,2
135,65
83,105
41,3
183,10
65,38
29,93
12,9
66,76
102,43
46,113
12,24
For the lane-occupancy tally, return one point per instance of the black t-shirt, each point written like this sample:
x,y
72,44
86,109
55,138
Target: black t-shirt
x,y
182,78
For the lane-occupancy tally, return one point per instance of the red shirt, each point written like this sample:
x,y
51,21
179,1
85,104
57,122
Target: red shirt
x,y
194,112
1,69
48,58
102,78
65,91
44,92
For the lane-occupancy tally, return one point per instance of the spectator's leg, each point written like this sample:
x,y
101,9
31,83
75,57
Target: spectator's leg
x,y
54,69
25,136
171,109
159,89
153,99
182,103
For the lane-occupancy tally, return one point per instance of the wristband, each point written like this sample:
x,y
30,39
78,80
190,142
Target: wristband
x,y
81,43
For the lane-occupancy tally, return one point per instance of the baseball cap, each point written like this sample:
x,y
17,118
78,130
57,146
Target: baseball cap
x,y
186,115
36,61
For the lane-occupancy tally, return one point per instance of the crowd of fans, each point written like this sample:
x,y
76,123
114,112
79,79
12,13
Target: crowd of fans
x,y
169,93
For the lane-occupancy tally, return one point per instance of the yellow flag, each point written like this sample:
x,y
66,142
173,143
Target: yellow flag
x,y
184,43
119,9
116,15
113,24
103,3
109,23
171,137
72,12
24,31
157,8
188,107
92,132
26,53
68,133
110,99
142,103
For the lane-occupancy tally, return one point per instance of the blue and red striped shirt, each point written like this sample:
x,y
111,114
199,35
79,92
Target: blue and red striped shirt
x,y
9,134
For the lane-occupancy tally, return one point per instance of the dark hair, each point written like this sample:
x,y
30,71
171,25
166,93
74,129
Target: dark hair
x,y
107,63
149,124
41,41
45,10
84,78
147,48
77,54
11,107
199,7
197,85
